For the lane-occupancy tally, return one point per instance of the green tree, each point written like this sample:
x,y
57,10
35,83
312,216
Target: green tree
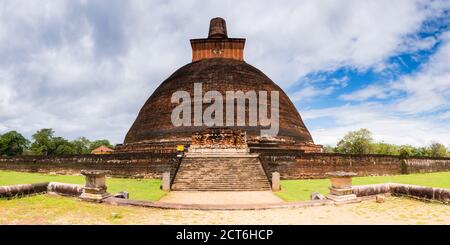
x,y
438,150
329,149
98,143
45,143
356,142
65,149
13,143
384,149
406,150
422,152
42,144
81,145
61,146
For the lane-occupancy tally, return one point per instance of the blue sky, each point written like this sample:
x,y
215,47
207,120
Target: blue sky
x,y
85,68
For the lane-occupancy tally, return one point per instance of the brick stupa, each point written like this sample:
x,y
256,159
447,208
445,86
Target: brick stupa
x,y
218,63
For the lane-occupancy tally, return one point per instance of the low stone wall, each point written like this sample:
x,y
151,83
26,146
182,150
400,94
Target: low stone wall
x,y
370,190
24,189
294,165
425,165
145,165
422,192
65,189
52,187
290,164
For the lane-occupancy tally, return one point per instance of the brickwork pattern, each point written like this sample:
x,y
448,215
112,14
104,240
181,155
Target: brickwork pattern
x,y
290,164
221,174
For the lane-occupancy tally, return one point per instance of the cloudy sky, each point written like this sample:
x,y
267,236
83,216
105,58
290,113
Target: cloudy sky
x,y
85,68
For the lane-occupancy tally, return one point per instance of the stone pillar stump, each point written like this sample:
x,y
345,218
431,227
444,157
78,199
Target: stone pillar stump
x,y
341,186
276,181
95,187
166,181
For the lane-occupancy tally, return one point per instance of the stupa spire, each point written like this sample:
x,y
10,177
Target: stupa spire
x,y
218,44
217,28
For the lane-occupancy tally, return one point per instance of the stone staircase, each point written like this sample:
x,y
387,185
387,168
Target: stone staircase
x,y
221,173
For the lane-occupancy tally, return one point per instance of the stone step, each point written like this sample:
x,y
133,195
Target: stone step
x,y
249,185
219,189
206,187
221,173
180,178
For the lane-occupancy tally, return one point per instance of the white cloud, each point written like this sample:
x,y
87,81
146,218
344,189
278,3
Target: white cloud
x,y
426,90
408,119
429,89
85,68
371,91
309,92
340,82
380,119
320,35
416,43
444,115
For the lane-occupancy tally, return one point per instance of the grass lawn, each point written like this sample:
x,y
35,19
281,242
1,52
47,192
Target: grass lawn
x,y
292,190
48,209
300,190
139,189
58,210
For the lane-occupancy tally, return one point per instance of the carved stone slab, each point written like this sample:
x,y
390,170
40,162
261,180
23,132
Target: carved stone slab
x,y
219,138
219,141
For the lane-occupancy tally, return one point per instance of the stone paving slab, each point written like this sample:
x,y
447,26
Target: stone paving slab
x,y
261,206
222,200
221,197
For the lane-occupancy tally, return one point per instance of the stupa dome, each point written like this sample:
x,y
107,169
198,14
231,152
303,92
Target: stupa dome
x,y
218,64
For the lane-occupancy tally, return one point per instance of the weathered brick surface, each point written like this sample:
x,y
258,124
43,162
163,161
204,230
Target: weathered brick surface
x,y
290,164
424,165
295,165
218,45
218,64
149,165
221,174
154,119
230,48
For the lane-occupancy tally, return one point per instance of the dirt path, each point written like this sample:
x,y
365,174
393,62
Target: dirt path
x,y
43,209
394,211
221,197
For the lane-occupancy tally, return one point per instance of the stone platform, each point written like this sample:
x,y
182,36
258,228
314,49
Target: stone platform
x,y
221,197
221,173
219,160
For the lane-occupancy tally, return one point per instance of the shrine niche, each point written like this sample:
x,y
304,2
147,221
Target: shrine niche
x,y
219,140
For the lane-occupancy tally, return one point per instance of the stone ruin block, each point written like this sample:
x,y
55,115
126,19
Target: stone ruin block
x,y
95,188
341,186
442,195
276,181
166,181
317,196
122,195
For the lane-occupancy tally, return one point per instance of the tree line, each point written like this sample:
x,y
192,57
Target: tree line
x,y
361,142
44,142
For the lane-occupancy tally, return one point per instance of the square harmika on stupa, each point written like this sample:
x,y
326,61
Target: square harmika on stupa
x,y
218,63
